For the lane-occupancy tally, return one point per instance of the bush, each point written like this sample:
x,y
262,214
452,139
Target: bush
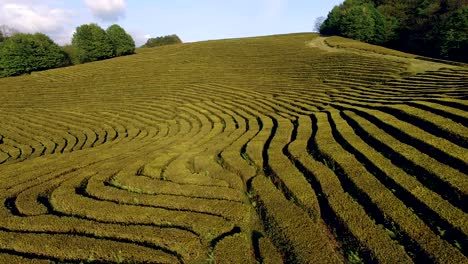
x,y
92,43
24,53
161,41
122,43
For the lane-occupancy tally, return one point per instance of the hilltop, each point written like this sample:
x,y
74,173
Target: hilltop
x,y
288,148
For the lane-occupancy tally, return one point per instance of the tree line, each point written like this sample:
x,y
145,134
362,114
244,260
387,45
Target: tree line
x,y
436,28
161,41
22,53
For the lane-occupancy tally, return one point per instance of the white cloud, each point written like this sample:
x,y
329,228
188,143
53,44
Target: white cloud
x,y
107,10
31,17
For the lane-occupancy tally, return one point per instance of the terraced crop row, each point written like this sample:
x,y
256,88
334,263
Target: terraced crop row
x,y
236,151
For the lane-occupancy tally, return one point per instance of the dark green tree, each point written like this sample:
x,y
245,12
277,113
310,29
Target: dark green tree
x,y
358,22
122,42
331,25
386,27
161,41
428,27
453,34
92,43
25,53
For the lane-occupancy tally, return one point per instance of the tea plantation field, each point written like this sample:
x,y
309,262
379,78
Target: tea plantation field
x,y
289,148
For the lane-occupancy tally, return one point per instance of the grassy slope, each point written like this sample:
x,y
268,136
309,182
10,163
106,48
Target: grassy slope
x,y
289,147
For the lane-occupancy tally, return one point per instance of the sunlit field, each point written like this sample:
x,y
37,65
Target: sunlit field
x,y
288,148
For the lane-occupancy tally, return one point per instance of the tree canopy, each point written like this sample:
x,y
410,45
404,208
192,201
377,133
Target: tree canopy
x,y
24,53
92,43
122,43
435,28
161,41
453,40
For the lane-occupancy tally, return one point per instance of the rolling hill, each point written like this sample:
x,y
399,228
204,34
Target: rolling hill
x,y
288,148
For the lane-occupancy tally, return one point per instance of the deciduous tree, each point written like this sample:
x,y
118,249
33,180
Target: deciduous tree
x,y
428,27
24,53
92,43
454,35
122,42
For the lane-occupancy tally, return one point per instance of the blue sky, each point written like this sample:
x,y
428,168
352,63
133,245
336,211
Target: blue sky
x,y
191,20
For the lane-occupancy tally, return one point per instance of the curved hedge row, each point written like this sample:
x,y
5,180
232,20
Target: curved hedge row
x,y
260,150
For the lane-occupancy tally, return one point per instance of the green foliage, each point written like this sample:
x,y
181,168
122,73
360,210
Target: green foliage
x,y
453,33
385,28
161,41
359,20
71,54
24,53
331,25
122,43
429,27
358,23
92,43
354,258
